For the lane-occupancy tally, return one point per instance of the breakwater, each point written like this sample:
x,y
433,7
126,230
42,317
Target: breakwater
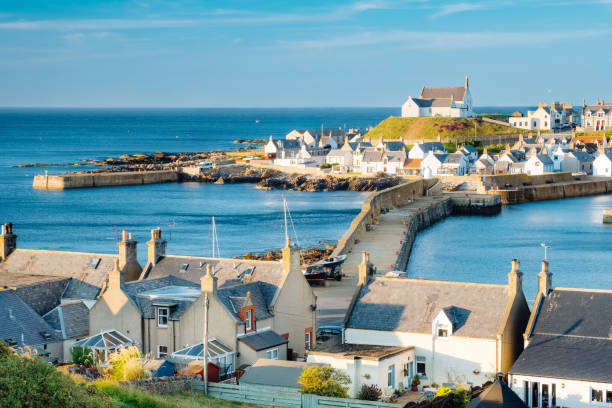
x,y
84,180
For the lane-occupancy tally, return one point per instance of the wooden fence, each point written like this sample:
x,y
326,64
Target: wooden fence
x,y
283,397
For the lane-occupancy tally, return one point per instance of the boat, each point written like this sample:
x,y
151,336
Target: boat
x,y
315,274
332,261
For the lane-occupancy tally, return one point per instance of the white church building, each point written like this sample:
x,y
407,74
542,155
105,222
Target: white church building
x,y
447,101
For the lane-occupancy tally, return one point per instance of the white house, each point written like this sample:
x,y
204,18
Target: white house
x,y
454,164
420,150
602,165
458,332
539,164
271,149
448,101
382,160
557,115
566,362
342,160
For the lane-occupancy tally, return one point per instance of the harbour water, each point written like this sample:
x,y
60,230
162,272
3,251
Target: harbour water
x,y
479,249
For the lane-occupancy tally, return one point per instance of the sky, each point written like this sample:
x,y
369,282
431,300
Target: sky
x,y
180,53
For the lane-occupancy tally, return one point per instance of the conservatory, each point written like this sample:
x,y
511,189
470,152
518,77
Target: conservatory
x,y
218,354
104,342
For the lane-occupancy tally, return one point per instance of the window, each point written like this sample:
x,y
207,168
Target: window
x,y
391,376
596,395
162,317
307,340
553,395
272,354
248,318
609,397
420,366
544,395
162,351
526,392
184,267
535,388
442,332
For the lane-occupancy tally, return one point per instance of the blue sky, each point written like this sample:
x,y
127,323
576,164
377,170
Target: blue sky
x,y
314,53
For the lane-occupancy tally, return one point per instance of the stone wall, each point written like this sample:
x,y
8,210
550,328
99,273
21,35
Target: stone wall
x,y
163,385
82,180
392,197
554,191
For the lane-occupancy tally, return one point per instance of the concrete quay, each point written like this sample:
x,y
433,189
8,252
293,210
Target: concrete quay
x,y
84,180
607,216
388,238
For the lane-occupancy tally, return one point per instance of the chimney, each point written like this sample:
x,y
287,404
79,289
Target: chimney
x,y
466,81
544,279
157,246
290,257
583,103
114,277
128,257
8,241
515,279
209,282
365,269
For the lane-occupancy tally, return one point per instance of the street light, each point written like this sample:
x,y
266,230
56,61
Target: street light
x,y
543,245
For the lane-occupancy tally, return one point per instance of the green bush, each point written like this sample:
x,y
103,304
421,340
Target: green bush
x,y
369,393
126,364
415,381
30,382
325,381
325,166
82,356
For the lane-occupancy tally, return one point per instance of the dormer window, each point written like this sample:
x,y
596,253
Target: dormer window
x,y
249,319
162,316
184,267
442,332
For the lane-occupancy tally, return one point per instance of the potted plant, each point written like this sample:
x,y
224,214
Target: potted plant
x,y
416,381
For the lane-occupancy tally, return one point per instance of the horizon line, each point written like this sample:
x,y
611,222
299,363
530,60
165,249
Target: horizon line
x,y
237,107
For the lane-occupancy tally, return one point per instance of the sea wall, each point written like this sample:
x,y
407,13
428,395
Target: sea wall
x,y
469,204
392,197
163,385
554,191
84,180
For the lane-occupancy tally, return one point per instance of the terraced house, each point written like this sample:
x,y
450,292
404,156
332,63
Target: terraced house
x,y
256,308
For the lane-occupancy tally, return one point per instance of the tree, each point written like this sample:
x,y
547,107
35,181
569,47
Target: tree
x,y
126,364
325,381
82,356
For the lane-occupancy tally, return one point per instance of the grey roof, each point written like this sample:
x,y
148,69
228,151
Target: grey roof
x,y
453,158
227,271
372,156
71,320
395,146
429,146
497,395
544,158
434,92
233,297
21,324
568,357
60,264
469,148
422,103
278,373
42,296
326,132
288,144
77,289
410,305
441,157
581,156
263,340
136,290
441,102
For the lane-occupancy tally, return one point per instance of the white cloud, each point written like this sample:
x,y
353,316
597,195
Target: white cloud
x,y
459,8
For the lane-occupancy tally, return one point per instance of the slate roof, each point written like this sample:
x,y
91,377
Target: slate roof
x,y
441,102
372,156
544,158
429,146
137,292
288,144
77,289
395,146
435,92
410,305
422,103
263,340
227,271
276,373
582,156
232,296
43,296
60,264
453,158
568,357
497,395
21,323
469,149
71,320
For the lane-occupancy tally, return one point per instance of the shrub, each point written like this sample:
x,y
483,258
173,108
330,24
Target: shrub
x,y
369,392
325,166
415,381
30,382
325,381
443,391
82,356
125,364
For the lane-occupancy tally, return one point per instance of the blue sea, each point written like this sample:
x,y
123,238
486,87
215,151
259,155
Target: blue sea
x,y
250,220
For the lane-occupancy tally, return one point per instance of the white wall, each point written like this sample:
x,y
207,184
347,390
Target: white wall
x,y
569,393
602,166
455,358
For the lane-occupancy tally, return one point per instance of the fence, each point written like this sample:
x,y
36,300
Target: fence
x,y
281,397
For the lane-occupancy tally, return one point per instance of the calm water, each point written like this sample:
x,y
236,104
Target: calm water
x,y
479,249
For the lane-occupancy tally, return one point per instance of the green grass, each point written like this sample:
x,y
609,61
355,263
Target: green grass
x,y
429,128
126,397
596,133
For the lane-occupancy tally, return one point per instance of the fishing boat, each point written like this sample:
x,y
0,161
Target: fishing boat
x,y
332,261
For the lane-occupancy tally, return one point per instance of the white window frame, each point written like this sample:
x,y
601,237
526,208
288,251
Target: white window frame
x,y
307,340
272,354
248,319
159,352
391,376
167,316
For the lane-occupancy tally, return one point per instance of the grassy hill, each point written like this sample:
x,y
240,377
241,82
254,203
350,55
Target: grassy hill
x,y
429,128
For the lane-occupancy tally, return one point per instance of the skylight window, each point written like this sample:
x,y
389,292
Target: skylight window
x,y
93,264
184,267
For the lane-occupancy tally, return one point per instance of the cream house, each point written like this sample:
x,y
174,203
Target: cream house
x,y
557,115
449,101
458,332
597,116
568,344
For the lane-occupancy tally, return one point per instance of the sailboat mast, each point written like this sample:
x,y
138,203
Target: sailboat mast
x,y
214,234
285,212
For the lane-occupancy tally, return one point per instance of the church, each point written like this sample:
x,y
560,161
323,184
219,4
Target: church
x,y
446,101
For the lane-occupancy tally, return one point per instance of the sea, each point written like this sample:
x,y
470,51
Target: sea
x,y
475,249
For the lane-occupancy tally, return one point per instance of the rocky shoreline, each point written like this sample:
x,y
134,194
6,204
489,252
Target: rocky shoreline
x,y
269,179
308,256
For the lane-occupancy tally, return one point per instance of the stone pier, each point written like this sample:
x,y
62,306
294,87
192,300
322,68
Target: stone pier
x,y
607,216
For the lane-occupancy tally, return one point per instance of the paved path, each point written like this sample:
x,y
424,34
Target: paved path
x,y
382,243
